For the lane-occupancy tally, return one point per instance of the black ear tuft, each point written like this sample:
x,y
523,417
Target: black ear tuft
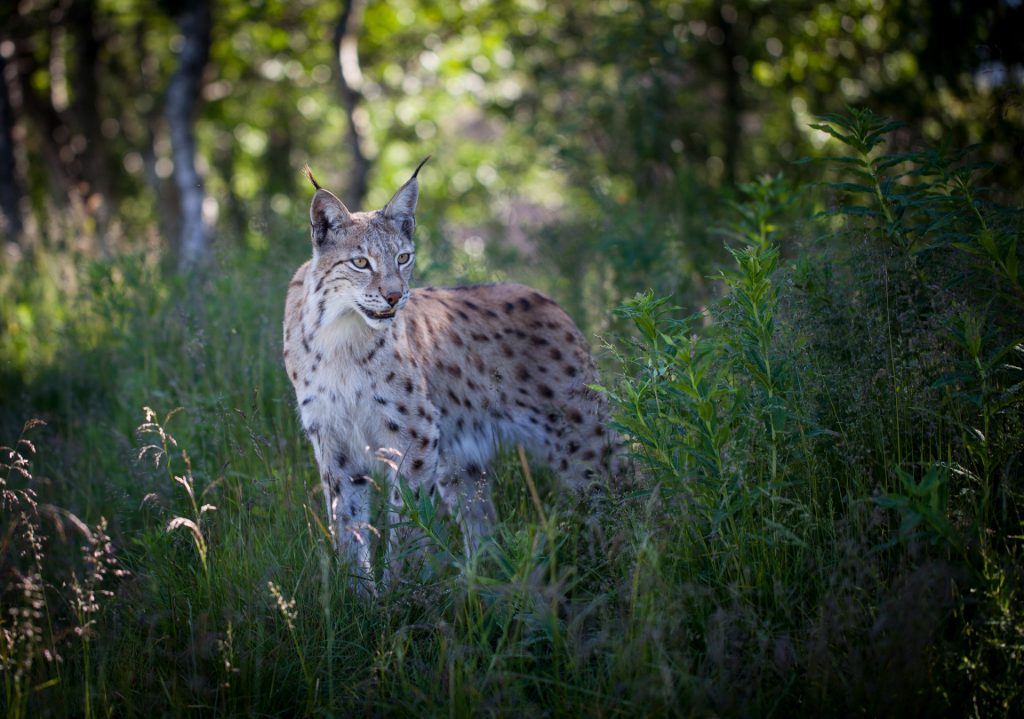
x,y
309,175
419,166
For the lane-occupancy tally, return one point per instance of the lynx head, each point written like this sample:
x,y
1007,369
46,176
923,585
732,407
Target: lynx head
x,y
362,261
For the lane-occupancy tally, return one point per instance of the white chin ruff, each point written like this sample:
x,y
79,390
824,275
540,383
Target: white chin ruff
x,y
378,324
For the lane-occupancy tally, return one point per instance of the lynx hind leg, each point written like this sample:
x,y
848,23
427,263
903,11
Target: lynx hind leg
x,y
586,454
466,493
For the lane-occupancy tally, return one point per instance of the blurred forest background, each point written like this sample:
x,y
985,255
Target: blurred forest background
x,y
184,124
809,320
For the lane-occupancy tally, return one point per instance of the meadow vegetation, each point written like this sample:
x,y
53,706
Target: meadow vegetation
x,y
826,517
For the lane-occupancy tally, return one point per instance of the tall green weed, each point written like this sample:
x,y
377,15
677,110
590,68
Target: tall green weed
x,y
879,367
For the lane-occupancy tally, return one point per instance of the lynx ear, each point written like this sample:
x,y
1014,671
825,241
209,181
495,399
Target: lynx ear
x,y
326,213
401,209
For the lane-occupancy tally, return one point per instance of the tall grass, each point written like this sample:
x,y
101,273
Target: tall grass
x,y
827,517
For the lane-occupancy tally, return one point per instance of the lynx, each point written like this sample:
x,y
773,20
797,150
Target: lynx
x,y
426,383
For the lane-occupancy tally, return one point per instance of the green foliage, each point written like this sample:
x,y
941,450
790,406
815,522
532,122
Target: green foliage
x,y
923,507
694,388
743,416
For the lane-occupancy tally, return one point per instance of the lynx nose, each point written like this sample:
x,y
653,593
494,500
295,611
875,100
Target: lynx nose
x,y
392,297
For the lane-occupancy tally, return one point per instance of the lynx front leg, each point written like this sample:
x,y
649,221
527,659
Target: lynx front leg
x,y
347,496
348,507
466,493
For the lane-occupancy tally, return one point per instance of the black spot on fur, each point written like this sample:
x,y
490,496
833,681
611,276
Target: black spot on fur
x,y
379,400
392,425
360,480
556,354
546,391
417,464
524,304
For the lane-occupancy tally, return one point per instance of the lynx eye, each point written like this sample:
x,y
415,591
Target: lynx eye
x,y
360,263
403,258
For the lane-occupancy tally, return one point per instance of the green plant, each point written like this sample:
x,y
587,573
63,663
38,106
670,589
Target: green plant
x,y
161,453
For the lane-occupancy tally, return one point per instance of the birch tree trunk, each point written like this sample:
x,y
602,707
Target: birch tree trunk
x,y
194,22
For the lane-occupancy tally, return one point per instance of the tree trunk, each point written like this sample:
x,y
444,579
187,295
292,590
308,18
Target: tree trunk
x,y
10,192
182,97
732,108
85,117
346,44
